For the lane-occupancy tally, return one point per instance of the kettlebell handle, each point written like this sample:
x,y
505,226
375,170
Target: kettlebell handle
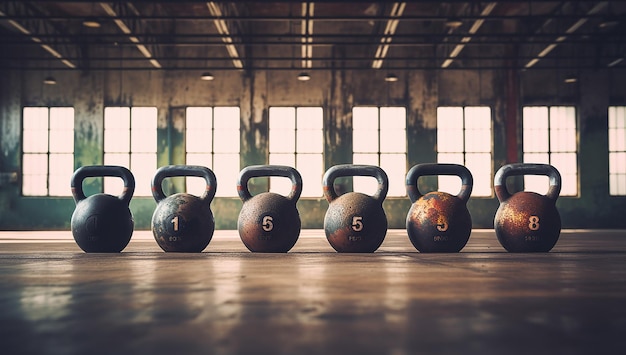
x,y
184,170
508,170
467,181
99,171
342,170
269,170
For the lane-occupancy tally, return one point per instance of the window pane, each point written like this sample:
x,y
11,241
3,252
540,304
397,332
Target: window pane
x,y
395,167
114,185
449,184
479,164
364,184
226,118
310,137
226,132
562,129
35,126
226,172
535,121
116,129
566,164
282,126
202,159
62,130
143,129
393,118
450,129
311,167
198,134
35,173
478,129
365,129
61,170
281,185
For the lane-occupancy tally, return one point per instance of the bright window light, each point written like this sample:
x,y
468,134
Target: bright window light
x,y
379,139
212,137
617,150
130,141
550,138
464,137
48,147
296,139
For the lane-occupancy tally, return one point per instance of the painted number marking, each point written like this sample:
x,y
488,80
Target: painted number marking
x,y
357,223
175,223
268,223
533,223
442,227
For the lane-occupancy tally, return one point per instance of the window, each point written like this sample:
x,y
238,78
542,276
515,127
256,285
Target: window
x,y
464,137
48,147
379,138
550,138
130,141
617,150
212,140
296,139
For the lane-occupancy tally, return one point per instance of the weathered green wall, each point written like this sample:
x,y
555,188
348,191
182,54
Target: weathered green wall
x,y
337,91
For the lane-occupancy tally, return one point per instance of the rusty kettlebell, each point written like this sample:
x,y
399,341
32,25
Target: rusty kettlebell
x,y
355,222
439,221
183,222
102,223
527,221
269,222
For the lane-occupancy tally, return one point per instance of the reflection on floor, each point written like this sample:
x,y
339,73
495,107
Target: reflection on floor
x,y
55,299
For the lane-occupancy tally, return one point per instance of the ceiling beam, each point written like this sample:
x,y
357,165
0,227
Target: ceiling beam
x,y
390,30
308,10
573,28
34,32
472,31
222,28
127,31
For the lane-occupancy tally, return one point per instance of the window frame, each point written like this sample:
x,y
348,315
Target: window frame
x,y
48,152
455,181
369,184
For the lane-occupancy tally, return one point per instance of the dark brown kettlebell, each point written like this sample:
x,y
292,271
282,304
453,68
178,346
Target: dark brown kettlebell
x,y
102,223
439,221
183,222
269,222
527,221
355,222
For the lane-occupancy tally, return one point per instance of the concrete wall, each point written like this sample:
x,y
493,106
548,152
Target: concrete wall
x,y
337,92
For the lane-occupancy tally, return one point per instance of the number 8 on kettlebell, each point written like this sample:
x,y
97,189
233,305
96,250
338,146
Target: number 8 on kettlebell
x,y
355,222
527,221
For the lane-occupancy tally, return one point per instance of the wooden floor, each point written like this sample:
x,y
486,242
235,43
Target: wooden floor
x,y
55,299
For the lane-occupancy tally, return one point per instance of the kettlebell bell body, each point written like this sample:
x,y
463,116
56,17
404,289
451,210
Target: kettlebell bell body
x,y
183,222
439,221
269,222
102,223
355,222
527,221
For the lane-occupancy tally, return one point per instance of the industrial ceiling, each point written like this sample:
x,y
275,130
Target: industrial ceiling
x,y
324,35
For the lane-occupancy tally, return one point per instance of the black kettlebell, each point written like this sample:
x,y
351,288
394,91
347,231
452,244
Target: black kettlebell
x,y
102,223
183,222
269,222
439,221
527,221
355,222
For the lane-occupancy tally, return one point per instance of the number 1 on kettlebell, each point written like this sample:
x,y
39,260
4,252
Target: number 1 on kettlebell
x,y
175,223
